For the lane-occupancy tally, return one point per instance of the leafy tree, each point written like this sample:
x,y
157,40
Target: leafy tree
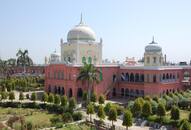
x,y
89,73
72,104
44,97
112,115
90,110
189,118
11,96
93,97
175,113
147,109
161,110
51,98
57,99
186,126
101,99
137,108
64,101
33,97
21,96
3,95
127,119
107,108
101,113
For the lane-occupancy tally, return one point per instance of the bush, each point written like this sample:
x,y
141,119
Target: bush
x,y
77,116
55,119
67,117
59,125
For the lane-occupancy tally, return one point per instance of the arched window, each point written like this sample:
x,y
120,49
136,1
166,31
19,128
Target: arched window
x,y
122,77
142,77
170,76
70,93
126,92
131,77
167,76
154,79
136,77
83,59
122,92
80,92
127,76
59,90
62,91
89,60
163,77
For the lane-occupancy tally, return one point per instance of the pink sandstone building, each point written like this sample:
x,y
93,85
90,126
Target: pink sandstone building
x,y
153,77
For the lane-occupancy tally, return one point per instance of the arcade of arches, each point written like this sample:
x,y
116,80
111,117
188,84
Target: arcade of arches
x,y
61,91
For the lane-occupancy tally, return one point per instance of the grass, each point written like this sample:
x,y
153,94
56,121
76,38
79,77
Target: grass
x,y
38,118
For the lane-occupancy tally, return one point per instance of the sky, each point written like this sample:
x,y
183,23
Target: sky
x,y
126,26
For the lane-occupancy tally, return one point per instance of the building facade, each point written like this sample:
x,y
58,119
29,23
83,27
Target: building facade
x,y
116,80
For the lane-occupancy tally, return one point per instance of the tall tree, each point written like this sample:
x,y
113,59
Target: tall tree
x,y
101,99
127,119
11,96
23,59
89,73
175,113
147,109
112,115
90,110
33,97
101,112
161,110
56,99
21,96
64,101
45,97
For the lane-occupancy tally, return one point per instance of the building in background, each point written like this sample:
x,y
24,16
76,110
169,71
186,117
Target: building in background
x,y
129,79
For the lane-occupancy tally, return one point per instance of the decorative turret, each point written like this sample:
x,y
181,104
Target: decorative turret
x,y
153,54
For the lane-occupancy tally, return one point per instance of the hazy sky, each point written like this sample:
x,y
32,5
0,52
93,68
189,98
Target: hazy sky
x,y
126,26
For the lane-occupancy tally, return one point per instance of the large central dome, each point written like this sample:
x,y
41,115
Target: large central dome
x,y
81,32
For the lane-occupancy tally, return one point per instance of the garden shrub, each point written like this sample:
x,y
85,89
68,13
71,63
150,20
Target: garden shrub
x,y
77,116
67,117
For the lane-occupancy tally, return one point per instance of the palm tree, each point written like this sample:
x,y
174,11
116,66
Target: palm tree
x,y
89,73
23,59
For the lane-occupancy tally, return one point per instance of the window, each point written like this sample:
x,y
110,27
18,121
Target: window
x,y
83,59
154,59
89,60
69,60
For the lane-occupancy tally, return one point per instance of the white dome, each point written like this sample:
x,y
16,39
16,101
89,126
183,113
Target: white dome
x,y
81,32
153,47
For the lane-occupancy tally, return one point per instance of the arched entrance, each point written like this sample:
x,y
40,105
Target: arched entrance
x,y
114,92
80,93
70,93
62,91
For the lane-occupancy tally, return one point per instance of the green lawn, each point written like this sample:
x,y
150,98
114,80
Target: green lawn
x,y
38,118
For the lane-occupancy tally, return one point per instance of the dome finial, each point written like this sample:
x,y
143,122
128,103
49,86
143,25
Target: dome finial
x,y
153,40
81,19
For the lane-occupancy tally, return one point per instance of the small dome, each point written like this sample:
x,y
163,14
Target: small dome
x,y
81,32
153,47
